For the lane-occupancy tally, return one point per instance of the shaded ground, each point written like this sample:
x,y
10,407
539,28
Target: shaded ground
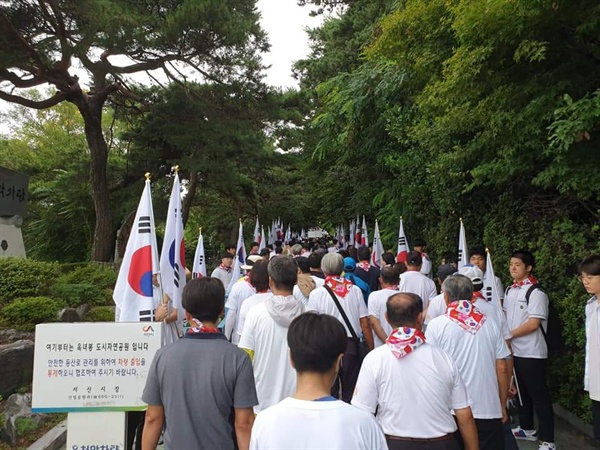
x,y
567,438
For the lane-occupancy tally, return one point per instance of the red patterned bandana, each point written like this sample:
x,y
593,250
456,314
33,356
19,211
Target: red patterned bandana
x,y
466,315
476,295
404,340
198,327
227,269
364,265
526,282
339,286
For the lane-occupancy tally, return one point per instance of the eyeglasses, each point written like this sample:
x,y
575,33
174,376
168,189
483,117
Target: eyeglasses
x,y
587,277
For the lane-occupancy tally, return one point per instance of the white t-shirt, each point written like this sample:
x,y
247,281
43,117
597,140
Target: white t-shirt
x,y
273,373
419,284
222,275
426,266
494,312
240,291
377,309
318,280
299,295
315,425
353,304
476,356
518,312
419,408
437,307
251,301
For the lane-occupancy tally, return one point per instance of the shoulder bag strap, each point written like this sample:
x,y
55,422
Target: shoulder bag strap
x,y
342,312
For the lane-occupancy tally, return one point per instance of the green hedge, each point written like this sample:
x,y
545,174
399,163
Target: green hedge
x,y
78,294
102,276
24,313
21,277
100,314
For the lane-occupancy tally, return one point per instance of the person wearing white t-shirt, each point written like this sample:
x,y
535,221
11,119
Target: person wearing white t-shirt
x,y
478,257
414,281
351,301
241,290
527,320
437,305
417,414
388,279
265,332
419,246
249,303
476,344
589,273
311,418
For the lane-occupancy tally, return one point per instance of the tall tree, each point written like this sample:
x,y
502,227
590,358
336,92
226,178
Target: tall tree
x,y
41,42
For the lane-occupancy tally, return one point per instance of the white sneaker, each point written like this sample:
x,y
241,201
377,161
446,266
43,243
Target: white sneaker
x,y
525,435
547,446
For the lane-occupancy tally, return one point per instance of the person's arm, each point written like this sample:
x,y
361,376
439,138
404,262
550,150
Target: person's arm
x,y
244,418
230,323
467,428
365,326
377,328
153,425
504,374
527,328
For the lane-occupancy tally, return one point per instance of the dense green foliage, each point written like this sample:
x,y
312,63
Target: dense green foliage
x,y
485,110
100,314
25,313
25,278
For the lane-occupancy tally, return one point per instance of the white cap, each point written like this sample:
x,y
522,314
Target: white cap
x,y
473,273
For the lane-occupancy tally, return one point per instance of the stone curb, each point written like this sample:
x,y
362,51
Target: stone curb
x,y
573,420
55,439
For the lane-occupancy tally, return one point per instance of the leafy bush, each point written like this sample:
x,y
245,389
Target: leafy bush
x,y
100,314
77,294
101,276
24,313
25,278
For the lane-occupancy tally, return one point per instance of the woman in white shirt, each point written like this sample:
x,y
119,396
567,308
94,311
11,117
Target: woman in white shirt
x,y
589,273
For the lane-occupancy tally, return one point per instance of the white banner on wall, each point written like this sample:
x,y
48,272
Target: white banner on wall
x,y
92,366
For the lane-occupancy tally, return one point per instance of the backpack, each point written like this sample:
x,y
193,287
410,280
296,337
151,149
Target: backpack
x,y
553,336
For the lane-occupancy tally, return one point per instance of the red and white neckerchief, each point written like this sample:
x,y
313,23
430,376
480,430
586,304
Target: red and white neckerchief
x,y
466,315
339,286
526,282
364,265
405,340
226,269
198,327
476,295
393,288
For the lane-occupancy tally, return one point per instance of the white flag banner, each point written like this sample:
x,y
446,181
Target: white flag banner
x,y
134,290
262,244
239,260
352,231
357,233
288,235
463,250
364,233
256,236
199,268
377,252
490,288
402,252
172,256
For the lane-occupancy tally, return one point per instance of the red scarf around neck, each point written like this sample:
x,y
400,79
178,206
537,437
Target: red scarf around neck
x,y
404,340
466,315
339,286
198,327
526,282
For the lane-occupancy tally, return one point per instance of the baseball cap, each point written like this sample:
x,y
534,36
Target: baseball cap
x,y
445,270
349,264
250,262
473,273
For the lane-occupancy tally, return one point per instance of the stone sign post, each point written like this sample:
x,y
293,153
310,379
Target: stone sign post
x,y
13,204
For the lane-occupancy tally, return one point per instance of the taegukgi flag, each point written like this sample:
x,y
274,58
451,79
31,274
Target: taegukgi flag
x,y
199,267
402,253
134,290
364,234
490,285
463,250
239,260
377,252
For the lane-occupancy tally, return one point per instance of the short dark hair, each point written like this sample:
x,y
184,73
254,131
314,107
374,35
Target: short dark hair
x,y
278,250
400,267
590,265
419,243
316,341
478,250
414,259
283,272
254,244
403,309
303,264
363,253
344,253
314,259
526,256
259,277
450,257
390,275
388,258
204,298
228,246
265,251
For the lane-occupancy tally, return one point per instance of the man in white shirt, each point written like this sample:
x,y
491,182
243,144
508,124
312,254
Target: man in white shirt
x,y
389,279
415,414
311,418
478,257
437,305
414,281
265,332
477,346
419,246
527,307
223,271
351,301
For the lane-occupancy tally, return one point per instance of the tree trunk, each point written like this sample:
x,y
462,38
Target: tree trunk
x,y
102,246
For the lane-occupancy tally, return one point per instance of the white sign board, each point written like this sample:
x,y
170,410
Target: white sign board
x,y
96,431
92,366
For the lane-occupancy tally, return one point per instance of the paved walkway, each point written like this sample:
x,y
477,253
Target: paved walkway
x,y
567,438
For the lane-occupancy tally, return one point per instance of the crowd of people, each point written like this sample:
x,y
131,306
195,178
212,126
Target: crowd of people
x,y
322,350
